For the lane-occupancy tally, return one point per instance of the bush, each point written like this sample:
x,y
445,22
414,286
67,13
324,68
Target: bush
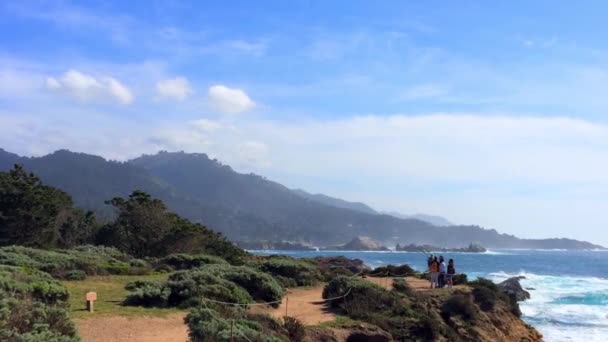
x,y
138,263
292,272
232,284
295,329
149,294
394,271
206,324
363,299
75,275
28,282
33,307
401,286
482,282
332,267
259,285
188,287
485,298
459,304
487,293
187,261
92,260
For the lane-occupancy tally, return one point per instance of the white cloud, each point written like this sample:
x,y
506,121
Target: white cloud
x,y
52,83
527,175
177,88
88,88
206,125
229,100
119,90
253,153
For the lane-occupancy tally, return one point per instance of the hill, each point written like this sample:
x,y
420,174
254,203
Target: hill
x,y
336,202
432,219
246,206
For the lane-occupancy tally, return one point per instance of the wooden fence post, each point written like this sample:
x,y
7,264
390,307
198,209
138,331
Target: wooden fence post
x,y
286,304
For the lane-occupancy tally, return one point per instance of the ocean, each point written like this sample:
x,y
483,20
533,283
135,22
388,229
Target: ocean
x,y
569,289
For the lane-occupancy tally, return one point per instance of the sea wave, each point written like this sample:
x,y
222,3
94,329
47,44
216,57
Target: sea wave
x,y
564,308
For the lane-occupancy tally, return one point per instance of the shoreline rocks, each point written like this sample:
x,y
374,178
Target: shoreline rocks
x,y
512,287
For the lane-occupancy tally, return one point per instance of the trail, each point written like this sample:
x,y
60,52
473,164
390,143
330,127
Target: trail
x,y
135,329
305,304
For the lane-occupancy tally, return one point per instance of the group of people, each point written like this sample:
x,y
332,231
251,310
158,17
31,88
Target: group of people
x,y
442,275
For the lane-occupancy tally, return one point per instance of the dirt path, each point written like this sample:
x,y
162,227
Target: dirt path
x,y
305,304
136,329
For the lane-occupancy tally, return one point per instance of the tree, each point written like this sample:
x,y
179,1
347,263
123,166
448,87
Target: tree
x,y
144,227
33,214
141,226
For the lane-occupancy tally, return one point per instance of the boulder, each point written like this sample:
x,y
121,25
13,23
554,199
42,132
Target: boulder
x,y
359,243
512,286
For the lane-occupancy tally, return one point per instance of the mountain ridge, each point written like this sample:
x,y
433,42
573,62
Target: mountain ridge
x,y
246,206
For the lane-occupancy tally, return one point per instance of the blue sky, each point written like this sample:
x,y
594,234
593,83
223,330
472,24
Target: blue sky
x,y
493,115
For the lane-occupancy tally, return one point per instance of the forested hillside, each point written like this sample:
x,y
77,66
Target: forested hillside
x,y
244,206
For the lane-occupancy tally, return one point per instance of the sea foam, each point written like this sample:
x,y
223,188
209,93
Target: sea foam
x,y
564,308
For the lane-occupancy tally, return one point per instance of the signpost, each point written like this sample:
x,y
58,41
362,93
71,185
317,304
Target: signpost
x,y
91,297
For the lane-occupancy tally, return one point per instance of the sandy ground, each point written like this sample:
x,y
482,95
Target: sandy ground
x,y
136,329
306,304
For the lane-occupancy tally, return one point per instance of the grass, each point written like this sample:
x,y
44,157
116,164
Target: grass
x,y
110,295
340,322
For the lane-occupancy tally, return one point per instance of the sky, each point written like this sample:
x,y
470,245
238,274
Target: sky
x,y
489,114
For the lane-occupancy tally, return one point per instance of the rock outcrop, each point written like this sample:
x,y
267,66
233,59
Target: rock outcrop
x,y
471,248
512,287
360,243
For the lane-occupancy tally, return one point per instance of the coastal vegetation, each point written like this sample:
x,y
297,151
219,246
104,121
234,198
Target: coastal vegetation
x,y
150,261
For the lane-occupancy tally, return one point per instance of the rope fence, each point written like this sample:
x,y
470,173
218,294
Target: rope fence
x,y
387,275
238,331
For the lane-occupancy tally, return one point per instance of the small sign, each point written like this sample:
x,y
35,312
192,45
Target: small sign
x,y
91,296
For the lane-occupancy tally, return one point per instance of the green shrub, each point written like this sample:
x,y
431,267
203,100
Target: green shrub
x,y
459,304
334,266
487,293
138,263
33,307
187,261
207,324
483,282
259,285
75,275
92,260
402,286
363,299
295,329
292,271
394,271
39,285
149,294
485,298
